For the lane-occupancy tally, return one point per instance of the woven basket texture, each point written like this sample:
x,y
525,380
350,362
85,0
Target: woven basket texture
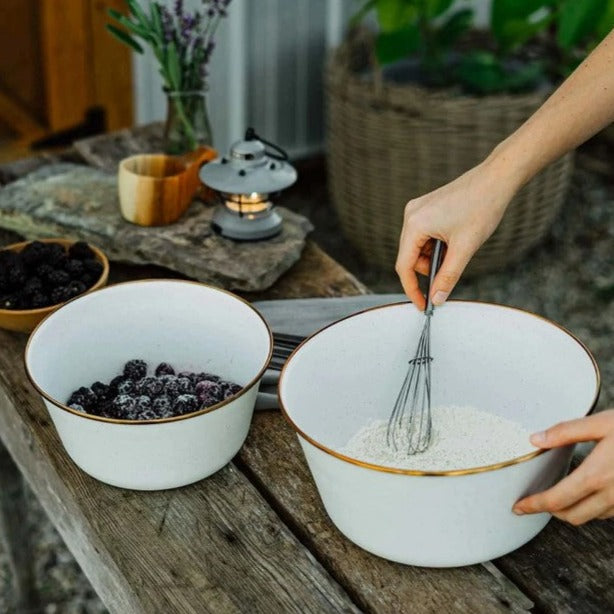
x,y
388,143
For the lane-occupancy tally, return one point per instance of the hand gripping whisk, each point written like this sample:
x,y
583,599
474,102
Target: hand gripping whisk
x,y
409,425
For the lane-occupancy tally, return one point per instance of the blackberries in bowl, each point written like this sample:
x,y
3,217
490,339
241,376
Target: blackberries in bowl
x,y
38,276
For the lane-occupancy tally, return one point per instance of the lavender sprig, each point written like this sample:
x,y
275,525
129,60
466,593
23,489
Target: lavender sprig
x,y
182,41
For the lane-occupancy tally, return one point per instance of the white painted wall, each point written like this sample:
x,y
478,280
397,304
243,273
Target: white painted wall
x,y
266,71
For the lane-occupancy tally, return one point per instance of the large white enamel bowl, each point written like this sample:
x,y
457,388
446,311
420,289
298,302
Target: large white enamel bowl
x,y
189,325
497,359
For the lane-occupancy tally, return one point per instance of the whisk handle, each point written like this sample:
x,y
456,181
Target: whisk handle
x,y
435,264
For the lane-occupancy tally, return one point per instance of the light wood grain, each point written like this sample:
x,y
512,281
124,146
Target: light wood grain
x,y
213,547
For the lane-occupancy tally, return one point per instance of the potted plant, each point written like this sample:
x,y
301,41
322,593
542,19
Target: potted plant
x,y
427,96
182,42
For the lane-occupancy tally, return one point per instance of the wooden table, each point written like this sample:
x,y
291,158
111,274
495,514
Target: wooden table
x,y
254,537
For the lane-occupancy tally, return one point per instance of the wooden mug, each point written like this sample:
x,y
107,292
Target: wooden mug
x,y
157,189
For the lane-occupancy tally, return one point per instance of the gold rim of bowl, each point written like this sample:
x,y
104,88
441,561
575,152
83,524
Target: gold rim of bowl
x,y
416,472
193,414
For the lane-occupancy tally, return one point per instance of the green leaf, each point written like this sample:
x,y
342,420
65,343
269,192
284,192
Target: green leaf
x,y
454,27
525,78
173,67
124,37
393,15
504,12
393,46
434,8
517,32
138,12
156,21
606,24
136,28
578,19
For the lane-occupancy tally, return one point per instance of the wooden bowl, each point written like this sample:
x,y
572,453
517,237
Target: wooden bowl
x,y
157,189
25,320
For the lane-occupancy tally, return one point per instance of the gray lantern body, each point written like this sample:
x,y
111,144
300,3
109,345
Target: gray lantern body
x,y
244,179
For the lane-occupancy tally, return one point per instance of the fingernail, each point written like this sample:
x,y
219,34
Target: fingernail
x,y
517,511
439,298
538,439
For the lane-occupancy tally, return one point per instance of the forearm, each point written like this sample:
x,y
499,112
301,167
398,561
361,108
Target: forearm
x,y
579,108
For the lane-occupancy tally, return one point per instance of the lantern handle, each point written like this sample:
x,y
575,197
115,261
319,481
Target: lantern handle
x,y
250,135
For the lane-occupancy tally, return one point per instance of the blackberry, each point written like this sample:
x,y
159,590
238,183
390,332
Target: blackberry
x,y
146,414
189,375
171,388
209,377
43,270
33,285
81,251
55,253
74,288
115,382
126,386
209,392
88,395
142,404
164,369
38,300
74,268
59,295
58,278
151,386
163,407
33,253
135,369
93,267
16,275
185,403
102,391
11,301
75,398
88,280
124,406
77,407
185,385
229,389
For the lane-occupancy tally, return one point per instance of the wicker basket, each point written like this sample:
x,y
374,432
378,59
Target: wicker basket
x,y
389,143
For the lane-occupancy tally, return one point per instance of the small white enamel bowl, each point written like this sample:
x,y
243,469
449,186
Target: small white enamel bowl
x,y
497,359
192,326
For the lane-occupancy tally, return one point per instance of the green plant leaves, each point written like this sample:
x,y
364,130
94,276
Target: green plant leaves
x,y
173,67
514,22
124,37
393,15
434,8
456,25
393,46
578,19
482,72
607,21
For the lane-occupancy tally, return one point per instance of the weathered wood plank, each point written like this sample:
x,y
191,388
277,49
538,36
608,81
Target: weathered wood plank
x,y
213,547
566,569
15,536
273,458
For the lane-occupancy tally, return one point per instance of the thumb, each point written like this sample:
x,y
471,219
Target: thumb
x,y
591,428
454,263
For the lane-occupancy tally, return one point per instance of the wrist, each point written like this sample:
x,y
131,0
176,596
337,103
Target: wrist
x,y
509,165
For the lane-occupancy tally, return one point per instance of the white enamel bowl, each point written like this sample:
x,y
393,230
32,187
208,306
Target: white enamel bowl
x,y
497,359
189,325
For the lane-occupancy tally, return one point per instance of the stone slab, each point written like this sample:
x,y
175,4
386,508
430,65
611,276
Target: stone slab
x,y
79,202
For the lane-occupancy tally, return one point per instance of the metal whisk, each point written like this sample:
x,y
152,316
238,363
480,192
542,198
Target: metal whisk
x,y
409,425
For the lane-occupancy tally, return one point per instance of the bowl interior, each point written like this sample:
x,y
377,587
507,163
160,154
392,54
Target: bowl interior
x,y
497,359
192,326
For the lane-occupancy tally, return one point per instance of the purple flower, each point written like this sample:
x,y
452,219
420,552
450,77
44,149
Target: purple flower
x,y
178,8
167,24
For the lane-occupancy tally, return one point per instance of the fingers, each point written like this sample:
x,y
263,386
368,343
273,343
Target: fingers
x,y
409,254
590,428
609,513
589,508
454,263
566,493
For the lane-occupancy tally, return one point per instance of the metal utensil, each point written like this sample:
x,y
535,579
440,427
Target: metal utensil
x,y
410,425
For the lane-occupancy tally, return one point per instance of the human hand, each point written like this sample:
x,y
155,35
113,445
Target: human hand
x,y
463,214
588,491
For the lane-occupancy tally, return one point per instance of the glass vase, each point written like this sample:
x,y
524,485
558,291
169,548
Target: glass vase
x,y
187,122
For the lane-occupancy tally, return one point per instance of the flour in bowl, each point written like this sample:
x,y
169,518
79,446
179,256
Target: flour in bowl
x,y
463,437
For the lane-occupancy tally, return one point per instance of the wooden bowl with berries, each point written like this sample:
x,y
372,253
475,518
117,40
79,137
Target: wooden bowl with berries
x,y
36,277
